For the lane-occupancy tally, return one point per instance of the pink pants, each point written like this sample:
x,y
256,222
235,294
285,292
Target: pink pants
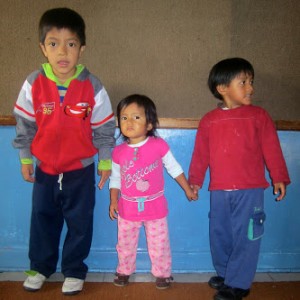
x,y
157,235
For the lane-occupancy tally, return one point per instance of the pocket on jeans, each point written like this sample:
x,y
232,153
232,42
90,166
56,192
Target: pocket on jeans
x,y
256,226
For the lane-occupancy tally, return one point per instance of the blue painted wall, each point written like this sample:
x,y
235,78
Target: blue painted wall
x,y
188,222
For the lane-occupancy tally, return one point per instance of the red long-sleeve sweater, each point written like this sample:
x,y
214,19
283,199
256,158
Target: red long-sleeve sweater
x,y
236,145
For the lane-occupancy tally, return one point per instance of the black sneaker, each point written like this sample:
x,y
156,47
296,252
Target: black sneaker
x,y
216,282
230,293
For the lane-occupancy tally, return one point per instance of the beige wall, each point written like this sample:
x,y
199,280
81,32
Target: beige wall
x,y
165,49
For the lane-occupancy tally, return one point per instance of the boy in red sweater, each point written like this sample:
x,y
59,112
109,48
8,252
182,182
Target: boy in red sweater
x,y
236,141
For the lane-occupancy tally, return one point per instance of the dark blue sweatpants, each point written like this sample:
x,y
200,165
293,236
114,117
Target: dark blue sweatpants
x,y
72,201
236,227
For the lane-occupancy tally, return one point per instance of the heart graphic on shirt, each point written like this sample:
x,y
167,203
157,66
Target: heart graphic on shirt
x,y
142,185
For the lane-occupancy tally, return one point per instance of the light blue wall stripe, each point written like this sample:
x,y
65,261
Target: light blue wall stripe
x,y
188,222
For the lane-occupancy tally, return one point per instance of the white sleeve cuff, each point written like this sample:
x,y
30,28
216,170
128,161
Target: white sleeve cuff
x,y
115,178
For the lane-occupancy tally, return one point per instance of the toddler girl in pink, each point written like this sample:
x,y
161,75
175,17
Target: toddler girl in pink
x,y
137,189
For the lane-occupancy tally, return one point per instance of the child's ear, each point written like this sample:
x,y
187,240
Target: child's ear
x,y
149,127
222,88
82,48
42,46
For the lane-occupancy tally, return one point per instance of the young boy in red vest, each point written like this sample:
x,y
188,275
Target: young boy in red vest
x,y
64,117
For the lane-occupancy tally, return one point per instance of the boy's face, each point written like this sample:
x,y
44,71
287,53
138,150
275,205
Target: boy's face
x,y
239,91
63,50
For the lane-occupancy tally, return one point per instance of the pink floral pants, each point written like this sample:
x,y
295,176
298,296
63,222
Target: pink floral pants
x,y
157,235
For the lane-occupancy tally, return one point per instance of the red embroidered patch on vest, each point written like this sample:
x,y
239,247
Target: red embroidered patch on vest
x,y
80,110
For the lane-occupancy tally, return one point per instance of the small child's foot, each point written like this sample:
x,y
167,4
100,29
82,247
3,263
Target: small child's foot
x,y
163,283
34,281
121,280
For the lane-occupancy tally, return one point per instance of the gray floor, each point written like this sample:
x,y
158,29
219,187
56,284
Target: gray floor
x,y
140,277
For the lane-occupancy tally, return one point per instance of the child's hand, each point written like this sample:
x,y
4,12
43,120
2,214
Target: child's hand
x,y
195,188
279,188
104,175
113,210
27,172
182,181
191,195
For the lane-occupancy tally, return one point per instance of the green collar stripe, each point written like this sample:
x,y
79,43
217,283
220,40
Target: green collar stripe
x,y
49,73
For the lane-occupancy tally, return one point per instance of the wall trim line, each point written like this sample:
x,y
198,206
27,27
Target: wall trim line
x,y
181,123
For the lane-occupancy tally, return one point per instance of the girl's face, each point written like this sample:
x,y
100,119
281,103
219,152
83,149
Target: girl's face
x,y
133,123
63,50
239,92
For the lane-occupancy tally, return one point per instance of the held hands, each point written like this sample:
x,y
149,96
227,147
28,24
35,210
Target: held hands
x,y
191,195
279,188
195,188
27,171
104,175
182,181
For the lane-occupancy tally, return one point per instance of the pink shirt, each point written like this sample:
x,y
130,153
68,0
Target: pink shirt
x,y
142,181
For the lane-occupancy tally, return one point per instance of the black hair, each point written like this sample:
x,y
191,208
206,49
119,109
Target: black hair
x,y
147,104
62,18
225,71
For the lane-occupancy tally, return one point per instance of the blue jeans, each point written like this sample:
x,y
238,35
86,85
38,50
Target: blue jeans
x,y
236,227
53,203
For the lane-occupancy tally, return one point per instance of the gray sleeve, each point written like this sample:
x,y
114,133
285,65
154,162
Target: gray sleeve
x,y
25,132
104,140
